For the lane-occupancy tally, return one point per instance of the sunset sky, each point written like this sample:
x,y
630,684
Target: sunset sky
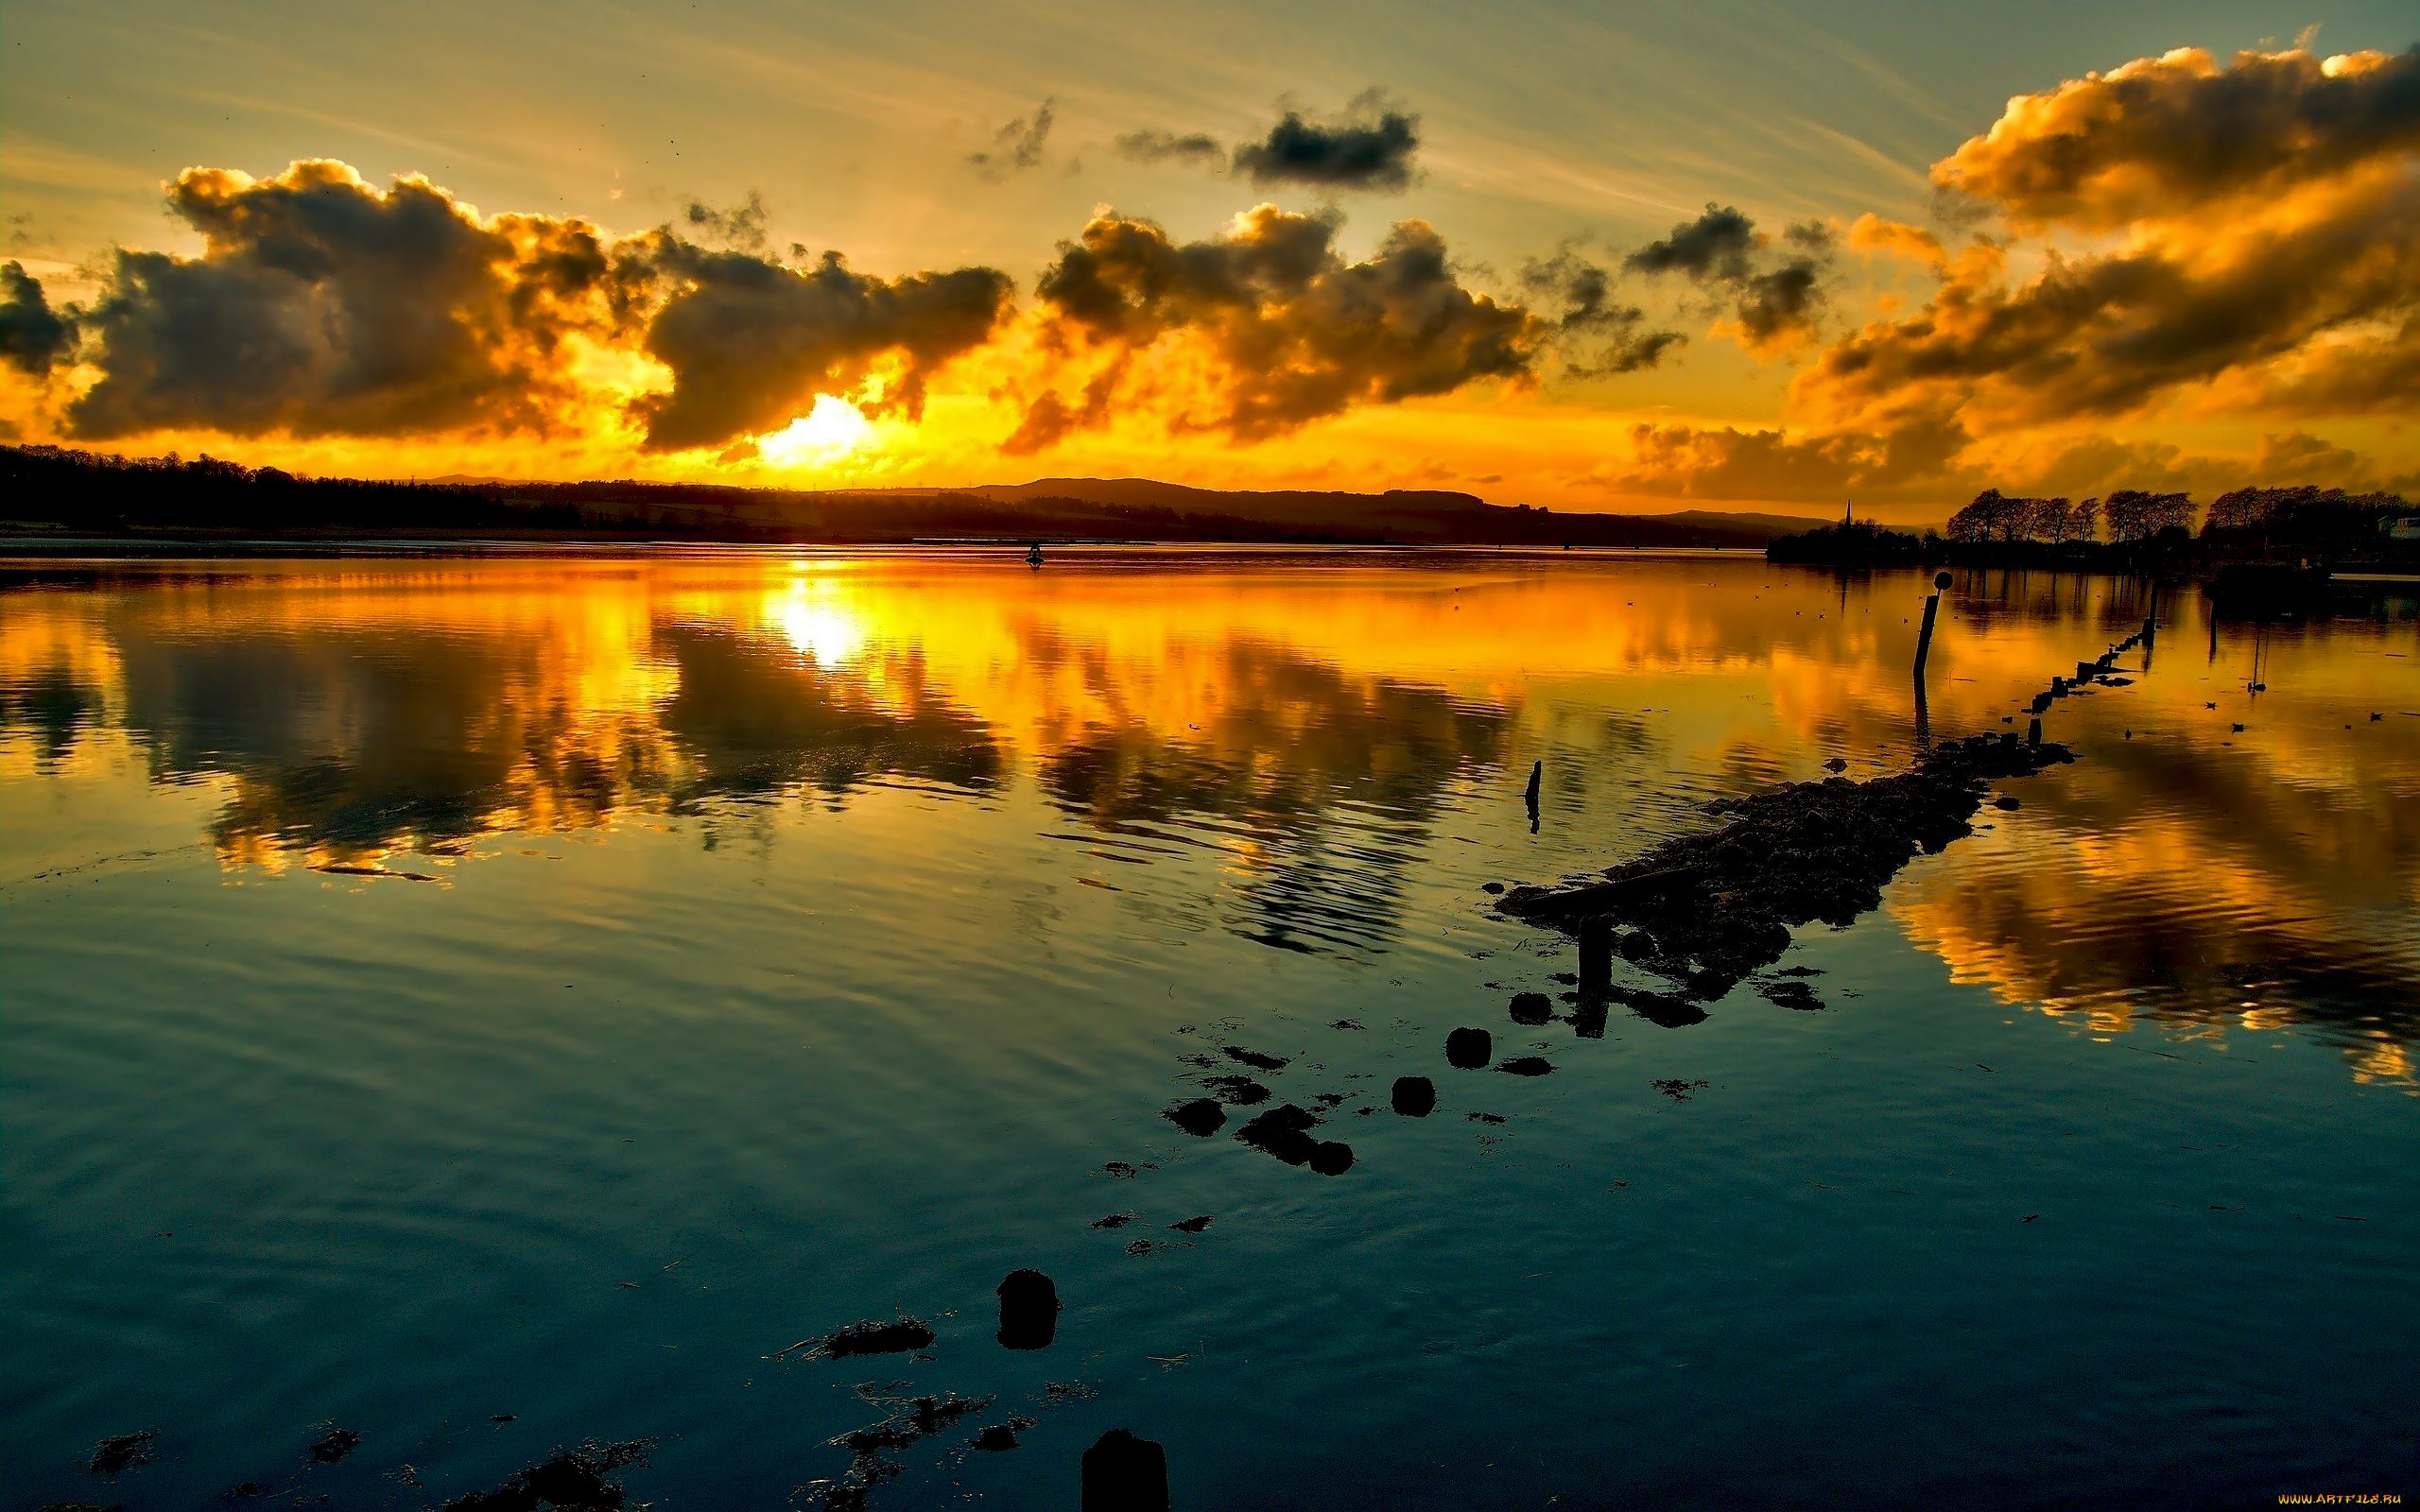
x,y
1627,257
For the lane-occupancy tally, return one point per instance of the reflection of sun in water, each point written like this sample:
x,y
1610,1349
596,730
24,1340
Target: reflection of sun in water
x,y
832,430
816,620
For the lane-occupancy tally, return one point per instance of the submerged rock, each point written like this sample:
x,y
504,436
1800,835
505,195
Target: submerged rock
x,y
873,1449
1123,1473
125,1451
573,1479
1235,1091
1791,994
900,1335
998,1437
1259,1060
1332,1158
1662,1009
1469,1049
1284,1131
1414,1096
1532,1007
1202,1117
1636,945
1028,1310
335,1445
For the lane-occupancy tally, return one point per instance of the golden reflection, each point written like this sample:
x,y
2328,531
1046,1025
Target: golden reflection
x,y
1303,722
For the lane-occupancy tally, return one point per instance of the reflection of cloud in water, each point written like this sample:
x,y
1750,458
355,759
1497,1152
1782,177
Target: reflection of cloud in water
x,y
1322,784
51,709
756,717
343,743
1308,728
2164,882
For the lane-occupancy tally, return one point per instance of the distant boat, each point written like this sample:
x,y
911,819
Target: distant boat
x,y
1033,555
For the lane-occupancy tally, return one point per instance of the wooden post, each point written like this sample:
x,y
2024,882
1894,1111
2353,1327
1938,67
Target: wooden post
x,y
1933,611
1596,958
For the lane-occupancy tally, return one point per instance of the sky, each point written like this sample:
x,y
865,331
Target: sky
x,y
1637,257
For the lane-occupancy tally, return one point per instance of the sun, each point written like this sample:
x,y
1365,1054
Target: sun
x,y
832,430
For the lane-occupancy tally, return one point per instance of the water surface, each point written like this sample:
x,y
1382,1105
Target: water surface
x,y
444,988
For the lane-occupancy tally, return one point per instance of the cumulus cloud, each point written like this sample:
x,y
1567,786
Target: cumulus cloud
x,y
1015,146
1918,460
1872,233
34,336
1773,294
2162,136
1713,247
323,306
2229,241
1600,334
2270,213
2104,336
1369,146
1280,329
749,339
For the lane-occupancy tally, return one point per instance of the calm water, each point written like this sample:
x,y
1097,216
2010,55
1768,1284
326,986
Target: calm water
x,y
804,937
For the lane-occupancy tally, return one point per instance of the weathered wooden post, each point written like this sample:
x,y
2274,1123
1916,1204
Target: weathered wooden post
x,y
1124,1473
1028,1310
1596,958
1933,611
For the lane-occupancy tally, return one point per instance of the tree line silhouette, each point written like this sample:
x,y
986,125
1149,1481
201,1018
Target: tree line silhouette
x,y
2130,528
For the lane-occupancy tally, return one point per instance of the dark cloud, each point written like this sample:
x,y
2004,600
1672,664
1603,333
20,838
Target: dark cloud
x,y
1015,146
741,228
2159,136
1368,147
749,339
1713,247
1600,334
34,336
1287,330
323,306
1779,303
1195,149
1773,302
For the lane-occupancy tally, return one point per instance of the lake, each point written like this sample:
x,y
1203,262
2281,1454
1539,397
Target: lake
x,y
490,1004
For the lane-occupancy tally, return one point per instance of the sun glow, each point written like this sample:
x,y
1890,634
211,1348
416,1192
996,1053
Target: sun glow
x,y
832,430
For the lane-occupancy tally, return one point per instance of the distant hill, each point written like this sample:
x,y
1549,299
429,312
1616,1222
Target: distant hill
x,y
56,489
1403,514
